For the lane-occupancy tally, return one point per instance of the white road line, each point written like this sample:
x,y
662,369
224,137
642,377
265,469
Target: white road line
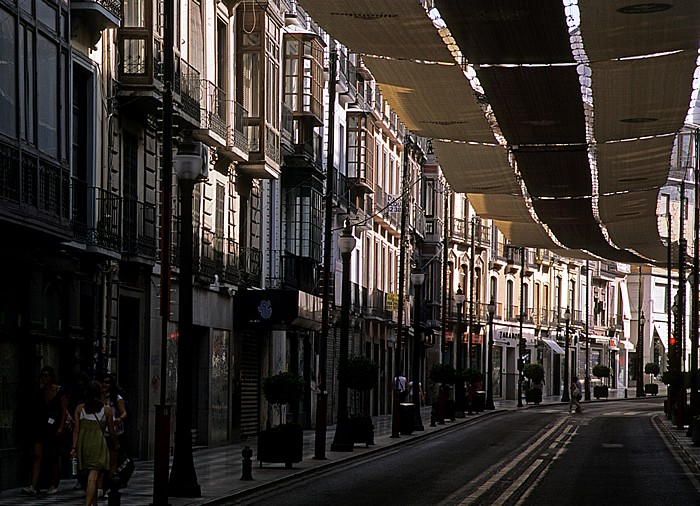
x,y
486,485
517,483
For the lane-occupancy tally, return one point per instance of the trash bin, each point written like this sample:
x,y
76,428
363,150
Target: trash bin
x,y
406,418
479,400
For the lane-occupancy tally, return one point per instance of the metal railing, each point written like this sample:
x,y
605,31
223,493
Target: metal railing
x,y
238,136
139,228
213,109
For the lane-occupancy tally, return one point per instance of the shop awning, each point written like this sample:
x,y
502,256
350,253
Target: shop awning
x,y
626,312
555,347
661,329
623,343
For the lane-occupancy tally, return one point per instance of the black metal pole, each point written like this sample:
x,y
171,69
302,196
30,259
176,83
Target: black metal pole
x,y
415,371
162,426
396,418
471,293
588,349
640,339
521,340
322,396
342,441
695,319
445,293
565,393
489,363
183,478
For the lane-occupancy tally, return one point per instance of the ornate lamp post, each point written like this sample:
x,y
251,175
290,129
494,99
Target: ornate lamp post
x,y
459,300
191,165
460,394
565,394
417,278
342,441
640,354
489,359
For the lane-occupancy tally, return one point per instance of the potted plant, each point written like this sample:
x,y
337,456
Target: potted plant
x,y
534,373
445,375
476,398
602,372
653,369
362,377
284,442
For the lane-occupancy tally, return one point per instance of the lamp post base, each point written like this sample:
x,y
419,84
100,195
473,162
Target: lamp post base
x,y
342,441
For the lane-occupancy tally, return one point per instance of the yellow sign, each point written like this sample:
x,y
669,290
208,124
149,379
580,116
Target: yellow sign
x,y
392,302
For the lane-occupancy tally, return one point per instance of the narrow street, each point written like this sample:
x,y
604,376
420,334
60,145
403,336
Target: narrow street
x,y
610,454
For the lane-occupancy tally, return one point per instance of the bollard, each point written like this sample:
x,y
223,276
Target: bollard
x,y
247,473
625,393
115,495
432,418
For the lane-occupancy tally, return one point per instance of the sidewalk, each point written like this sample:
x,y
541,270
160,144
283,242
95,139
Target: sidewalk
x,y
219,469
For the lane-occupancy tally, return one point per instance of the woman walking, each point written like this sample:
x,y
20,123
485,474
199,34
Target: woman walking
x,y
48,420
89,444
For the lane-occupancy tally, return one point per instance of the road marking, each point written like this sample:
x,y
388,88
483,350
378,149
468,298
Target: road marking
x,y
497,477
517,483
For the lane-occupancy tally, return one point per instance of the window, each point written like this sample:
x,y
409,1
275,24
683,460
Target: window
x,y
509,300
572,295
360,147
8,78
302,221
493,290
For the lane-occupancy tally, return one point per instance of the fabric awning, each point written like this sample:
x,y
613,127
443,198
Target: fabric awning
x,y
623,343
626,311
555,347
661,329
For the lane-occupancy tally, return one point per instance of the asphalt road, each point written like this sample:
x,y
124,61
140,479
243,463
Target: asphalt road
x,y
610,454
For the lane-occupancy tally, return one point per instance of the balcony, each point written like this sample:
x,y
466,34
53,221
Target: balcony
x,y
34,193
236,147
93,16
498,257
482,237
345,85
97,219
375,307
458,229
140,234
292,271
214,130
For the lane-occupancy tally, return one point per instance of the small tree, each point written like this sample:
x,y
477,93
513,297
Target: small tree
x,y
534,372
653,369
601,371
362,377
444,374
472,375
283,388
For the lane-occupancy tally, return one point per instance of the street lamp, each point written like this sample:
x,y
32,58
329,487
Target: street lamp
x,y
459,342
489,359
342,441
191,167
417,278
640,355
565,393
459,300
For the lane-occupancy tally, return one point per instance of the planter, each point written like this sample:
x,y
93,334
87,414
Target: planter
x,y
362,430
533,395
281,444
600,391
651,388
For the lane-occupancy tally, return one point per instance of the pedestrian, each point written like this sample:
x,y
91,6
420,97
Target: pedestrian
x,y
400,386
92,418
48,420
76,395
576,390
421,394
112,396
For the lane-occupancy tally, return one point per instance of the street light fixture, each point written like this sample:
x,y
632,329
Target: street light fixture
x,y
489,359
640,355
342,441
565,394
417,279
191,167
